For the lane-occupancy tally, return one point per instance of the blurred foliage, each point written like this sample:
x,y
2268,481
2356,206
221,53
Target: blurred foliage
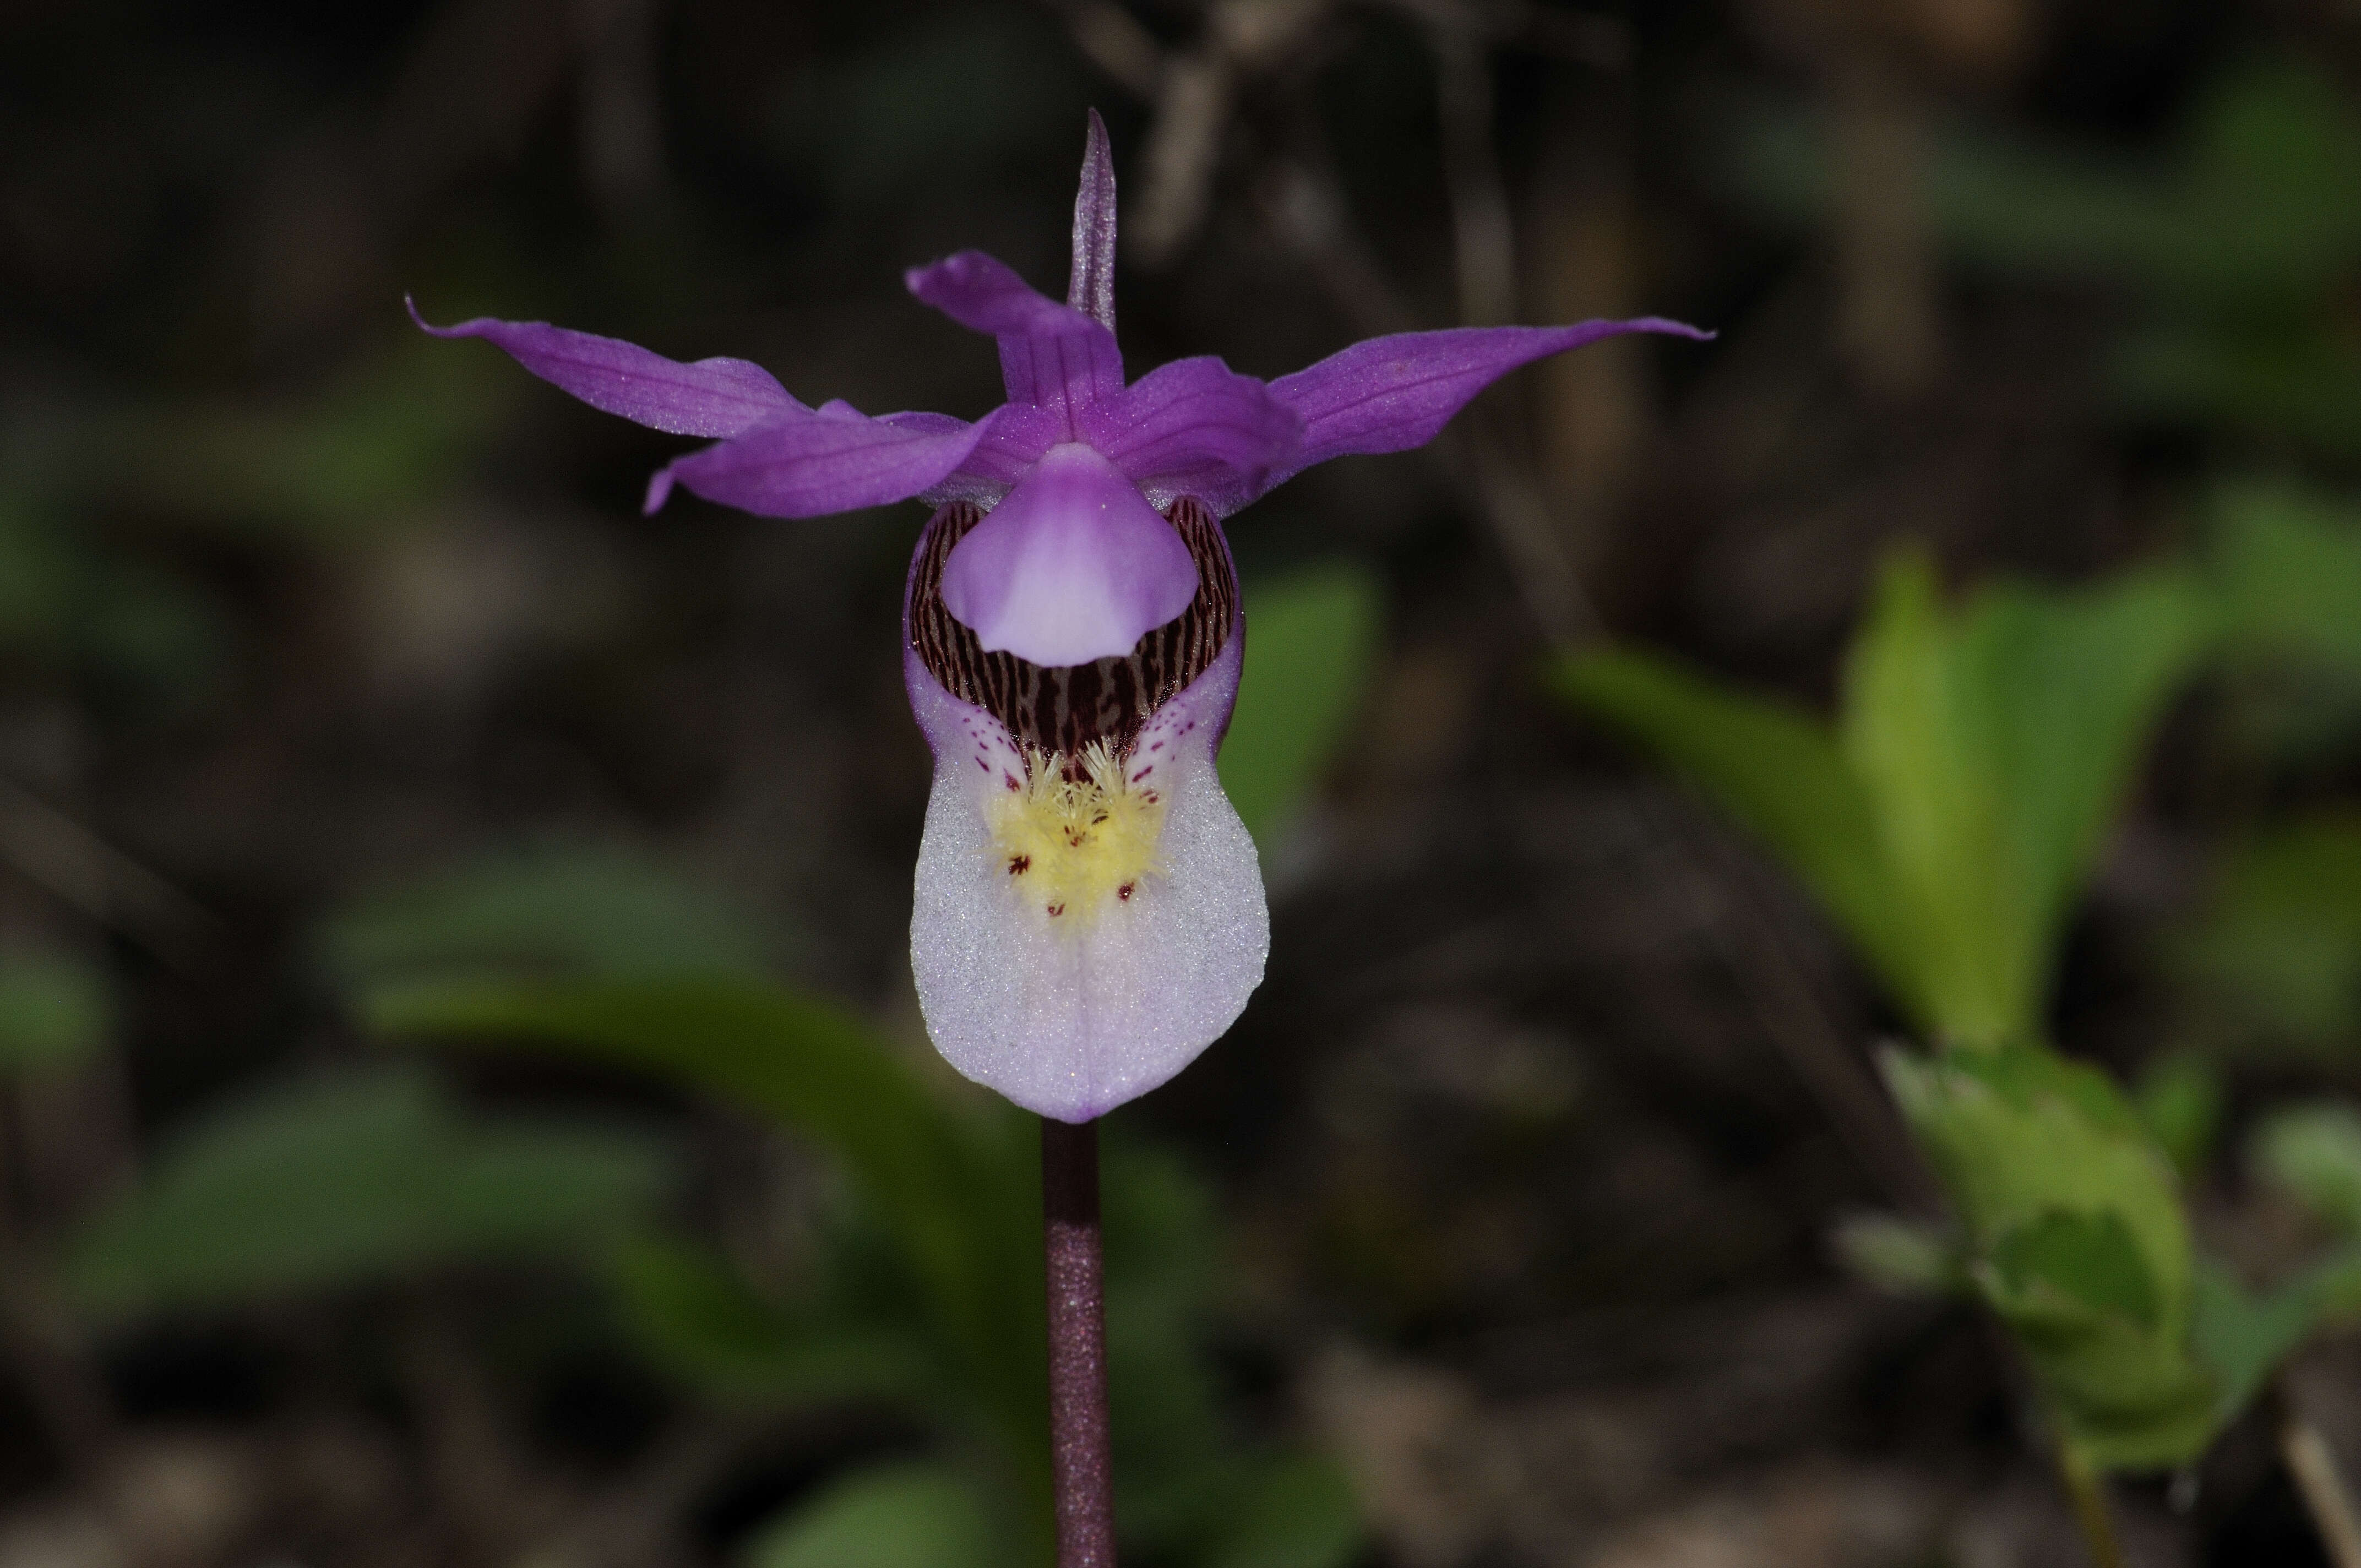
x,y
2076,1242
2240,244
2179,1099
1950,818
926,1291
1908,1257
2279,945
1949,821
1311,643
558,909
930,1292
54,1011
357,1178
892,1516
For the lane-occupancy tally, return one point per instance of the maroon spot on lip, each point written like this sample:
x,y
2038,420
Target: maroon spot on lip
x,y
1056,910
1019,864
1124,892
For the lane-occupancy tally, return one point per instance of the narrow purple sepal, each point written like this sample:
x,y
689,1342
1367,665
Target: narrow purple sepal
x,y
1196,427
1388,394
1090,287
809,463
710,397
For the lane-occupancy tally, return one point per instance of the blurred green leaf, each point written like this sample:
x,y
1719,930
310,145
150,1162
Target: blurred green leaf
x,y
1995,747
2280,940
353,1180
561,911
41,576
1294,1511
2313,1152
2296,380
2243,1336
698,1318
1952,818
2288,563
955,1196
1908,1258
2254,203
2075,1223
54,1011
2090,1259
387,440
1774,769
2179,1099
901,1516
1310,641
958,1194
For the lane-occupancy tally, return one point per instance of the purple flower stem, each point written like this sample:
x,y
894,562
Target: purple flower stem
x,y
1082,1468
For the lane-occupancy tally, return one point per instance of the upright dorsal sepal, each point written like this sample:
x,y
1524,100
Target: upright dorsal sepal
x,y
1090,288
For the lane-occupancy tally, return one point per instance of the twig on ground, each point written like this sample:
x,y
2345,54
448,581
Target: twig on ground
x,y
2317,1480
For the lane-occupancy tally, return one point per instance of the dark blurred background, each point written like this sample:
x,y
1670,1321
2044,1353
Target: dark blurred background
x,y
1495,1231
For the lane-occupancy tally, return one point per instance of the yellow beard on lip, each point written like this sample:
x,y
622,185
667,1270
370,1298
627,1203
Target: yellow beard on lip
x,y
1071,846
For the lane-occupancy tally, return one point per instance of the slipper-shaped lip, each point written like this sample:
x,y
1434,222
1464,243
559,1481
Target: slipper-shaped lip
x,y
1072,1019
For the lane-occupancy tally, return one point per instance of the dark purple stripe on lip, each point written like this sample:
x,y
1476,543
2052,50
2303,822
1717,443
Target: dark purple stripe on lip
x,y
1060,711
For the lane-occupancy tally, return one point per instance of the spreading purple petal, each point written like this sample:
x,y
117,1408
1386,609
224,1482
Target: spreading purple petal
x,y
1090,287
711,396
810,464
1388,394
1196,427
1074,565
1052,357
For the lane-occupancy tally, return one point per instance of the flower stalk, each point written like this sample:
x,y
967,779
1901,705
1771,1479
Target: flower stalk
x,y
1081,1465
2087,1490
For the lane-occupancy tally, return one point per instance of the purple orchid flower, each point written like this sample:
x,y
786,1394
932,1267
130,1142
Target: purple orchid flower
x,y
1089,910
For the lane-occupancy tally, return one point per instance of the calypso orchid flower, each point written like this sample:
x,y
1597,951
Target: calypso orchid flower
x,y
1090,911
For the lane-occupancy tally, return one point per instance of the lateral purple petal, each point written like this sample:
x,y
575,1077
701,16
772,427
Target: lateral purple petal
x,y
1052,355
1388,394
1196,427
809,465
710,397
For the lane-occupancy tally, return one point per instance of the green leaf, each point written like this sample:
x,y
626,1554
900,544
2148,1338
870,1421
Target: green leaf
x,y
1908,1258
958,1195
2253,207
558,911
2282,939
1310,641
355,1180
54,1011
1915,733
1294,1511
898,1516
1996,749
2296,380
2313,1152
1774,769
2179,1099
2089,1259
696,1316
2080,1245
2288,566
2244,1336
1980,756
